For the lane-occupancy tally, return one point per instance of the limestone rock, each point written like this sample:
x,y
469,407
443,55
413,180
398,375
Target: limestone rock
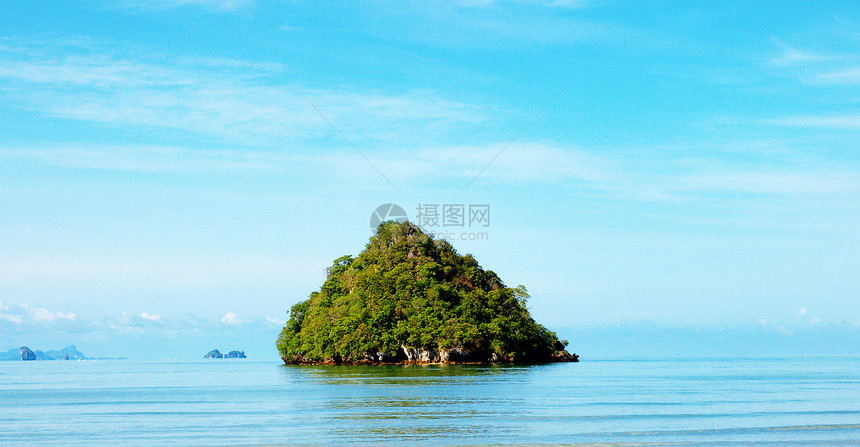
x,y
26,353
564,356
236,355
427,356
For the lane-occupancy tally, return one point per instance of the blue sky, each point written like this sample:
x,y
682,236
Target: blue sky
x,y
175,171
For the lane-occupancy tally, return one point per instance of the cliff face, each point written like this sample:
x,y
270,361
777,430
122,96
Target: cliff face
x,y
26,353
410,299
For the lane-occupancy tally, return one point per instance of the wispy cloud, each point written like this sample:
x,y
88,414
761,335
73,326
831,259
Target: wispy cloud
x,y
795,56
221,5
35,316
827,121
509,23
820,67
146,335
245,101
231,318
150,317
846,76
521,163
584,168
5,315
40,314
24,314
168,271
770,181
580,168
147,158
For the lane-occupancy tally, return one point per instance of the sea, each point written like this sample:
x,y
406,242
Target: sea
x,y
674,401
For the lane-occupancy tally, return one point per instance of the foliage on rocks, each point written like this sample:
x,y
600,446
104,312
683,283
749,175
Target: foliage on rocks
x,y
408,291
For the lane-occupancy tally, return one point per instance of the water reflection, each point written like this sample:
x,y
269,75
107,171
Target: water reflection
x,y
415,401
685,402
404,375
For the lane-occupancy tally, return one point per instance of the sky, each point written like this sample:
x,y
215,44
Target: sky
x,y
669,176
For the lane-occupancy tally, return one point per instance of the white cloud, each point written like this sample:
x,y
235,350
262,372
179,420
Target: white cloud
x,y
44,315
243,101
9,317
22,314
771,181
276,321
572,4
521,163
794,56
164,270
587,171
847,76
814,322
230,318
148,158
826,121
801,312
151,317
221,5
820,68
501,23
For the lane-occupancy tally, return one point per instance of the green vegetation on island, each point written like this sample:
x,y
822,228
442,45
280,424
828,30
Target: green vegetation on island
x,y
408,298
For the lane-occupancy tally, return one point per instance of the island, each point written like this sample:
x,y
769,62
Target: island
x,y
24,353
27,353
409,298
216,354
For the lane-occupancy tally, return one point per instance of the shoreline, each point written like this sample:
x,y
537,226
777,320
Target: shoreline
x,y
387,359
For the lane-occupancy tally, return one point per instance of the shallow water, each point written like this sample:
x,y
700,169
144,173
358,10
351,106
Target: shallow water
x,y
675,401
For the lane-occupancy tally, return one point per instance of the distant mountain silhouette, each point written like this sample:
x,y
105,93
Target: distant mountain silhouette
x,y
68,353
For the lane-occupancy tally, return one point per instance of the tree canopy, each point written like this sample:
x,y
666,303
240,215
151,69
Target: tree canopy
x,y
409,291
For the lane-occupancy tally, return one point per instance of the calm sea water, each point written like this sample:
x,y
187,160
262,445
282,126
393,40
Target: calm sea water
x,y
775,401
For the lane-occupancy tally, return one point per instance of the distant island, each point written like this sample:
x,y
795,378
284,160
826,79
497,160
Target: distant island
x,y
24,353
408,298
216,354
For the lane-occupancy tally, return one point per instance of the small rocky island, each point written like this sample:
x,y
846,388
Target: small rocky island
x,y
25,353
408,298
216,354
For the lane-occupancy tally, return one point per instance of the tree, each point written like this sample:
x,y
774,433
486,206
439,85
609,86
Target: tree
x,y
408,292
